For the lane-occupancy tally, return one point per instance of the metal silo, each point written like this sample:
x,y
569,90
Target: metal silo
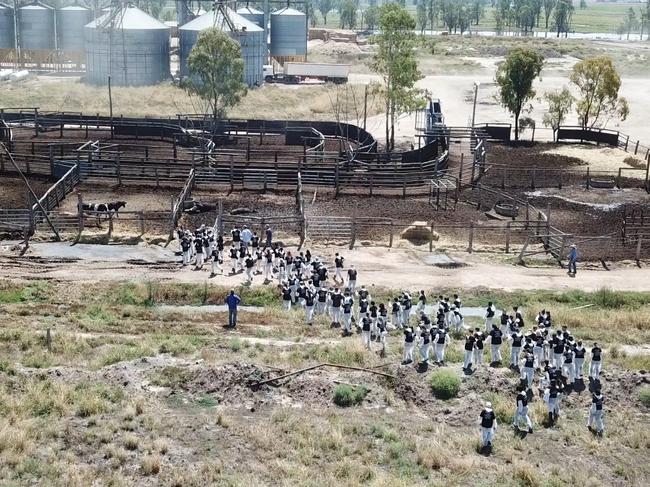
x,y
129,45
249,36
252,14
6,27
70,27
36,26
288,35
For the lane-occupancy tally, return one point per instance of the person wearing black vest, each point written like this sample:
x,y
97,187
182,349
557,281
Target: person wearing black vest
x,y
422,301
528,370
488,422
347,305
242,256
425,345
396,312
366,323
579,353
470,340
596,413
250,264
286,297
496,339
198,247
478,348
409,343
552,395
186,245
557,342
310,298
596,362
352,279
406,309
521,414
568,367
216,263
338,268
268,265
457,302
322,300
538,350
441,339
518,316
372,309
337,299
517,340
236,236
382,334
490,311
447,309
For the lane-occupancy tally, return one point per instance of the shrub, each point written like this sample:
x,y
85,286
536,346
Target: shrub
x,y
150,465
345,395
644,396
445,384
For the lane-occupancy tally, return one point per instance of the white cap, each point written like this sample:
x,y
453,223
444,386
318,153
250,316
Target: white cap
x,y
488,405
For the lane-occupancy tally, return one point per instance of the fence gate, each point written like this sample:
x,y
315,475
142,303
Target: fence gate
x,y
329,228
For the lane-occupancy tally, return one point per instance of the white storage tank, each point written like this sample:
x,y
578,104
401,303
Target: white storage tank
x,y
249,36
288,35
36,26
70,27
130,46
6,27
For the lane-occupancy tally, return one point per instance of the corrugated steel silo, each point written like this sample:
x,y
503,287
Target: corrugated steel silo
x,y
288,35
129,45
249,36
6,27
36,26
70,27
252,14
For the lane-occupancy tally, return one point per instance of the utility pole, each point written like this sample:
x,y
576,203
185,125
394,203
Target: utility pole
x,y
476,85
365,107
110,104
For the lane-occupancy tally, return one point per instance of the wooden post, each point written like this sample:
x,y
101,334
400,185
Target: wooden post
x,y
431,237
647,176
80,216
636,147
110,225
471,238
460,171
370,184
354,229
118,169
507,237
587,184
48,340
390,237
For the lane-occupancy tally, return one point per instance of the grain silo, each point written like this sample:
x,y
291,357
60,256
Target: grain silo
x,y
70,23
252,14
36,27
6,27
288,35
249,36
129,45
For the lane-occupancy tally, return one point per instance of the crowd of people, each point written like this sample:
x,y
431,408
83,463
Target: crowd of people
x,y
542,352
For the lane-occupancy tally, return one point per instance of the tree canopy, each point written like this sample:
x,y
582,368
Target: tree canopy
x,y
216,72
515,77
395,60
598,82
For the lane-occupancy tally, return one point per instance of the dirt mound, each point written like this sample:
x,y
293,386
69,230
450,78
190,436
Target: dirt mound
x,y
419,233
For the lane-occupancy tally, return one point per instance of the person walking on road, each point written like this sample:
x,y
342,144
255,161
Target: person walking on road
x,y
232,300
573,258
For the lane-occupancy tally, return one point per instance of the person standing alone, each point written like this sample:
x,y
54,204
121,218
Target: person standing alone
x,y
573,258
232,300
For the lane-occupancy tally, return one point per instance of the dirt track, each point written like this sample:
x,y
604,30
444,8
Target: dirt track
x,y
398,267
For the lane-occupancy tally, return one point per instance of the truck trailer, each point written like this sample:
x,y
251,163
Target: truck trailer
x,y
294,73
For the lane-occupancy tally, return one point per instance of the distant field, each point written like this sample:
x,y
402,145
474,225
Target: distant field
x,y
597,17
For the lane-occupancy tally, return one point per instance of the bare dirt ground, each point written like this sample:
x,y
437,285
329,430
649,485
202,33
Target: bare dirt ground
x,y
13,193
403,267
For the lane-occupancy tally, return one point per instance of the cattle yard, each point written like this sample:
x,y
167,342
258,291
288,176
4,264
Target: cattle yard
x,y
468,189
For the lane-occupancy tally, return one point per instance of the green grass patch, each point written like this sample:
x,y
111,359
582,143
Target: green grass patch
x,y
644,396
206,402
445,384
346,395
37,291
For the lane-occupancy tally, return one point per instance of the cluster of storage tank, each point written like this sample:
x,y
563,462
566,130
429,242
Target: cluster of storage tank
x,y
134,47
41,27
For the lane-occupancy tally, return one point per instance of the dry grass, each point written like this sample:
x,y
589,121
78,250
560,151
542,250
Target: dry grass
x,y
268,102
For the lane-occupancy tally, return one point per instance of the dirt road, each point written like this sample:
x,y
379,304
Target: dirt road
x,y
405,267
